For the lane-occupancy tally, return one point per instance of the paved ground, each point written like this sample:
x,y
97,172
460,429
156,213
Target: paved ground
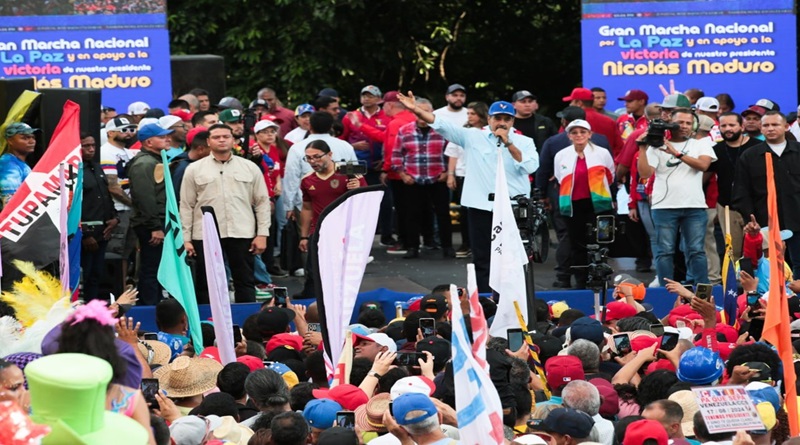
x,y
430,269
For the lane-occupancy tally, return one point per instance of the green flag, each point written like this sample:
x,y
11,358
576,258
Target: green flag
x,y
173,272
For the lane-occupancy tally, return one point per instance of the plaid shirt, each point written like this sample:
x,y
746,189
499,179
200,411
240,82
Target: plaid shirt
x,y
419,154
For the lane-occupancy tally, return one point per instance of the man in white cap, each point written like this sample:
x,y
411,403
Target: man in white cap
x,y
369,346
137,110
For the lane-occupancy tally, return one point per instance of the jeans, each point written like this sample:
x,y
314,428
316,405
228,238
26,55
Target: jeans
x,y
94,269
714,264
149,260
646,217
692,224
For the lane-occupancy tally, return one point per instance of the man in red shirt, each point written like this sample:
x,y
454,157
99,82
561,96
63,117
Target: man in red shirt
x,y
321,187
634,118
283,116
584,98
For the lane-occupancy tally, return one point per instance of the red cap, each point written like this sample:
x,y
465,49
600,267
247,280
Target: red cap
x,y
563,369
634,95
659,365
617,310
252,362
390,96
347,395
580,94
192,133
211,352
754,109
641,430
291,341
185,115
643,342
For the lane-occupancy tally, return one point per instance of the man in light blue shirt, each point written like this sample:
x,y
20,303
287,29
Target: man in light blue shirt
x,y
481,147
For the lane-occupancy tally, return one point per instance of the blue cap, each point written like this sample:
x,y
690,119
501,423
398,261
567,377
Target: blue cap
x,y
19,128
359,329
568,421
303,109
587,329
320,413
152,130
501,107
761,392
406,403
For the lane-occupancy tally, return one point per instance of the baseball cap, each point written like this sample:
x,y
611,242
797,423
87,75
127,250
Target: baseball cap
x,y
635,95
641,430
321,413
563,369
259,103
372,89
152,130
406,403
168,121
571,113
230,115
337,436
303,109
274,320
455,87
284,340
263,125
251,361
755,109
580,94
557,308
707,103
193,429
501,107
586,328
412,384
438,347
137,108
617,310
379,338
764,392
330,92
522,94
185,115
155,112
568,421
434,304
767,105
192,133
609,399
390,96
19,128
117,123
706,123
229,102
147,121
578,123
347,395
676,100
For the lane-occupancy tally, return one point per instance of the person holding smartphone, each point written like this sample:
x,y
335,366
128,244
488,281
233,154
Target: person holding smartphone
x,y
584,174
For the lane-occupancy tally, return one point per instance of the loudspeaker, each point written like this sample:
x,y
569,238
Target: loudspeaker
x,y
204,71
51,106
10,90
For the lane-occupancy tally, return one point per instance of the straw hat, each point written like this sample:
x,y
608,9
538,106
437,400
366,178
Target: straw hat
x,y
186,377
230,431
369,417
687,400
155,352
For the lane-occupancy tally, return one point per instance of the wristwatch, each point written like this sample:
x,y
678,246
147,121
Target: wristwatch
x,y
679,155
303,238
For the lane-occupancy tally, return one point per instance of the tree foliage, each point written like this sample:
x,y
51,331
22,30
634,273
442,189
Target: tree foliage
x,y
298,47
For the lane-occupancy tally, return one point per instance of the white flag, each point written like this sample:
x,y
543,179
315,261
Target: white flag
x,y
506,268
218,289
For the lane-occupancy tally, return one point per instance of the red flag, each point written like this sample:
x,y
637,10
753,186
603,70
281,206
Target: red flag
x,y
776,325
29,223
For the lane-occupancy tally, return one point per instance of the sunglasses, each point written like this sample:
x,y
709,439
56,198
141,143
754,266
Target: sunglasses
x,y
127,130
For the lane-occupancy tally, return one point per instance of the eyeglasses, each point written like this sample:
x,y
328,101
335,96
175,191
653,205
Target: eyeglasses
x,y
314,157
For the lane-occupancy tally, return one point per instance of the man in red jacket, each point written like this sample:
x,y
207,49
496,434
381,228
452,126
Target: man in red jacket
x,y
584,98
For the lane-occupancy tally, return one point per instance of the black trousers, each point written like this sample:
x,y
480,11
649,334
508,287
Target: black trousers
x,y
149,260
463,221
419,200
563,250
583,215
480,228
240,260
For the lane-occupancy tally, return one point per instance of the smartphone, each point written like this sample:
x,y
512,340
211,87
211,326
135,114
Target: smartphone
x,y
753,302
346,419
267,363
623,343
427,326
149,390
657,328
515,338
703,291
237,335
280,294
151,336
409,358
690,288
762,371
669,340
314,327
605,229
391,411
745,265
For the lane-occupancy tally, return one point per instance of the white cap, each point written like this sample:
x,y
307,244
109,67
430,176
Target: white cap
x,y
578,123
264,124
169,120
148,121
705,122
530,439
138,108
383,340
707,103
412,384
118,123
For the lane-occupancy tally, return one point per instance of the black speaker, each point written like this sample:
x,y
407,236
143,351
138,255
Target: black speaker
x,y
51,106
204,71
10,89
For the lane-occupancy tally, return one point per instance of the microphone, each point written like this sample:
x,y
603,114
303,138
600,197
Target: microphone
x,y
498,142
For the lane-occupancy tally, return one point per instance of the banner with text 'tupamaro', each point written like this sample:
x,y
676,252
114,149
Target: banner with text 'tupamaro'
x,y
119,46
746,48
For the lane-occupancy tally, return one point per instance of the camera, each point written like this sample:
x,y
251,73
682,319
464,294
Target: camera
x,y
531,218
599,271
656,132
351,168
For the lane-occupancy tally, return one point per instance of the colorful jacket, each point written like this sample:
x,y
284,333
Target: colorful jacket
x,y
599,163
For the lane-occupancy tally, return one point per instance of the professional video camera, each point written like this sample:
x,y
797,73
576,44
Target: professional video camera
x,y
531,218
598,270
351,168
656,132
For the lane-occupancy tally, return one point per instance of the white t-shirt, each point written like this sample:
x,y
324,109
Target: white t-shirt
x,y
678,186
296,135
458,118
114,161
778,148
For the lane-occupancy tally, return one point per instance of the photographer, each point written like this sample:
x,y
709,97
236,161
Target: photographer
x,y
677,200
584,172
